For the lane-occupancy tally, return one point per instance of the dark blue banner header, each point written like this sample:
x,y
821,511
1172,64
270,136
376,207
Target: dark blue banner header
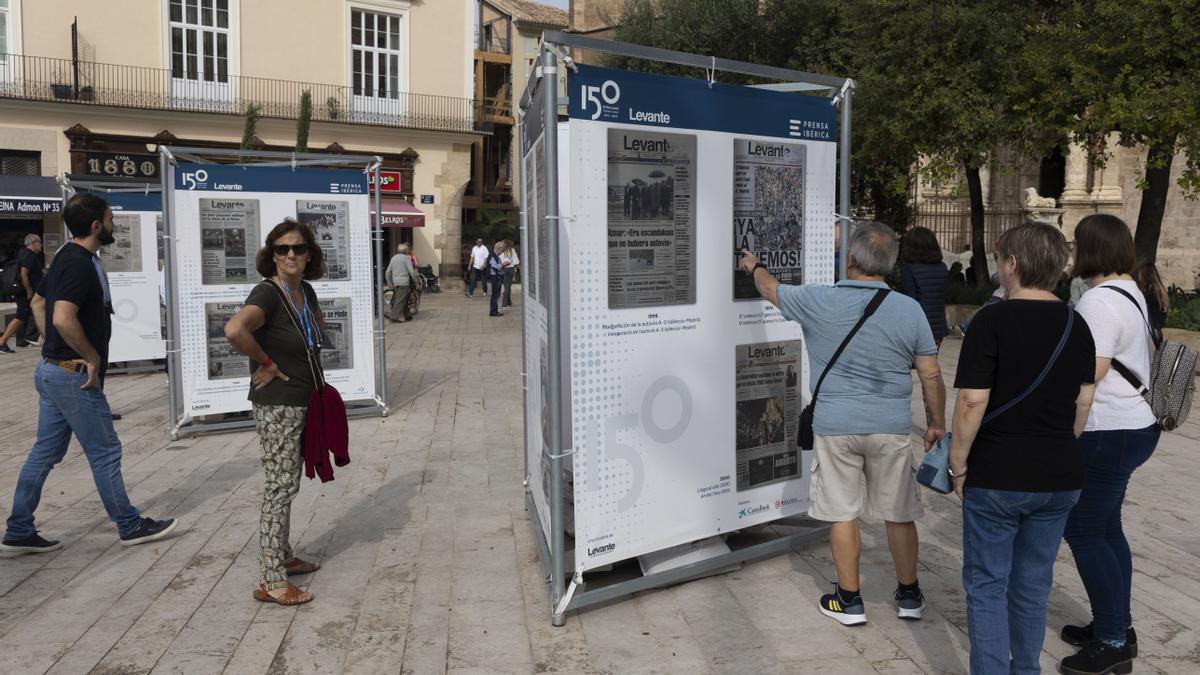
x,y
133,201
626,97
250,178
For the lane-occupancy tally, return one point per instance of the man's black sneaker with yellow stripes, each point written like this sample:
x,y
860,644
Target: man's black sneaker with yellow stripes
x,y
852,613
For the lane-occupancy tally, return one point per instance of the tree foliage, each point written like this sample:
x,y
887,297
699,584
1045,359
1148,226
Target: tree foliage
x,y
250,128
304,121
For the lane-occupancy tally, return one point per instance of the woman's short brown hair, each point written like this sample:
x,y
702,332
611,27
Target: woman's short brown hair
x,y
1040,251
920,245
265,263
1103,246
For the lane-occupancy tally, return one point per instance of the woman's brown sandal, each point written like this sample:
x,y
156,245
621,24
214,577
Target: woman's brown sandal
x,y
297,566
290,596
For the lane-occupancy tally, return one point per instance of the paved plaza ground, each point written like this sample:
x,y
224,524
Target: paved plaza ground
x,y
430,564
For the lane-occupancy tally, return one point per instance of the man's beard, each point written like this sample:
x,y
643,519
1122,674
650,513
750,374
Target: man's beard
x,y
106,237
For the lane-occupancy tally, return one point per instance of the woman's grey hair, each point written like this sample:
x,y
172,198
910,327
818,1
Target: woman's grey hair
x,y
403,248
1040,251
31,239
873,248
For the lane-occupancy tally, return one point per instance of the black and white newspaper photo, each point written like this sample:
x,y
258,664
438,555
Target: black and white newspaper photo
x,y
337,352
230,236
651,219
223,362
330,223
768,409
124,254
542,230
768,210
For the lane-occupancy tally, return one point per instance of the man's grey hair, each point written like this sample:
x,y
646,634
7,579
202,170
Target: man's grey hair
x,y
403,248
31,239
873,248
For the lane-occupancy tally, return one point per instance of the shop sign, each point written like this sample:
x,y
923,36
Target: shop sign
x,y
389,181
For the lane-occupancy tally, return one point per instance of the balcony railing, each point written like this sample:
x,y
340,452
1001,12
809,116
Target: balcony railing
x,y
37,78
493,44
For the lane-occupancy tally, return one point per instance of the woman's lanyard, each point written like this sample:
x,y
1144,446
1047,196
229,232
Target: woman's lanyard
x,y
304,320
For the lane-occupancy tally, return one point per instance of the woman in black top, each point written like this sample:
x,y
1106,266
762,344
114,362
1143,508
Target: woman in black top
x,y
923,277
1020,474
280,329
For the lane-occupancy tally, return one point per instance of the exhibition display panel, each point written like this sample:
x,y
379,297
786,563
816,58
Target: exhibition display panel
x,y
217,219
662,393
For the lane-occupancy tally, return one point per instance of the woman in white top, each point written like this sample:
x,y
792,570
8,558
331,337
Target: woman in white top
x,y
1120,435
510,260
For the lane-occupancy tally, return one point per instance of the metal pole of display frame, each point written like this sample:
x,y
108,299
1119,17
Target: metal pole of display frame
x,y
549,84
168,157
380,325
553,554
166,172
522,215
844,218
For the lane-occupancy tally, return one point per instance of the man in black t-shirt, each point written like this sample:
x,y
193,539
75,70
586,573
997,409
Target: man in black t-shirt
x,y
73,309
28,278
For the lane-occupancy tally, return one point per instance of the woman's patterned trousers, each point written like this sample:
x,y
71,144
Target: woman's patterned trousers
x,y
281,434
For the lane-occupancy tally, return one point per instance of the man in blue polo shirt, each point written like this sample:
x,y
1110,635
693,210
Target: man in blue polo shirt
x,y
73,309
862,461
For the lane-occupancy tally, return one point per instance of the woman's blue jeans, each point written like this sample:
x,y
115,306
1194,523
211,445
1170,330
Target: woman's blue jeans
x,y
1010,540
1094,528
64,408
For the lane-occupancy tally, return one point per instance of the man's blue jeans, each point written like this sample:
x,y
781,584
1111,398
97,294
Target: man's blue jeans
x,y
65,408
1010,540
1094,527
478,276
497,282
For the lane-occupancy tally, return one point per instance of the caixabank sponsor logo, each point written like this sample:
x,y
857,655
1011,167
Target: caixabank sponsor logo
x,y
753,510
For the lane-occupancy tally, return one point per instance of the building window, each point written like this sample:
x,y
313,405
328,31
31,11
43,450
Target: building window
x,y
200,37
4,23
20,163
376,54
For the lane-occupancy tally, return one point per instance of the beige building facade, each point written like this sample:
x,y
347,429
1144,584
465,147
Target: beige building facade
x,y
387,77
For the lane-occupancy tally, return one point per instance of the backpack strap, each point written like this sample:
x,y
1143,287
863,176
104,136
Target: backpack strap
x,y
872,305
1062,341
1133,380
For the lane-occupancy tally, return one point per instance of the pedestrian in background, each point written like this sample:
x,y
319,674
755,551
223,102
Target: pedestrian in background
x,y
495,269
510,260
402,277
1019,475
479,271
280,329
73,307
1120,435
29,275
923,277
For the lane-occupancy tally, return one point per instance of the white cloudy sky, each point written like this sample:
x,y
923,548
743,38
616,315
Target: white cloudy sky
x,y
557,3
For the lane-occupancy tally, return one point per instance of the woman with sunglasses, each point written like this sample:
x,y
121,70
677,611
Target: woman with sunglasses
x,y
281,378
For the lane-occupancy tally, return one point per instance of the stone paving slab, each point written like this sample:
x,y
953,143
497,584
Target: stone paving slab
x,y
430,563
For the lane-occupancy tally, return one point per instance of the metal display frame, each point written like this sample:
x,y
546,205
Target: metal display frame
x,y
72,184
564,596
169,156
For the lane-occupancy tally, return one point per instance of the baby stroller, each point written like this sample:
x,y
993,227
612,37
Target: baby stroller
x,y
431,280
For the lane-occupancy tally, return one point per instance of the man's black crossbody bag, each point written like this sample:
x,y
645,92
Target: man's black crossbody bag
x,y
804,435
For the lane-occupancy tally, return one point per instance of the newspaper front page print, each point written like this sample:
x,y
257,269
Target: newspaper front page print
x,y
223,362
230,236
330,223
337,352
768,410
768,210
651,219
124,254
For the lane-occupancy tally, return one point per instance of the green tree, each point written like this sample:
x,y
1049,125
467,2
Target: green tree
x,y
303,121
1132,67
250,128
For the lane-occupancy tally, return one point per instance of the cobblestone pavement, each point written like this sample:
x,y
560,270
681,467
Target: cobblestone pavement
x,y
430,565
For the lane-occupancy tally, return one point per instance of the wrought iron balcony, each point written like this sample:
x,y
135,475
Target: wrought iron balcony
x,y
37,78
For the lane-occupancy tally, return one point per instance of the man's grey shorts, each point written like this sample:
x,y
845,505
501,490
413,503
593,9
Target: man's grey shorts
x,y
872,474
